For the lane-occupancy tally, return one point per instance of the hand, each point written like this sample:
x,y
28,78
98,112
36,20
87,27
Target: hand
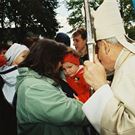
x,y
94,74
76,97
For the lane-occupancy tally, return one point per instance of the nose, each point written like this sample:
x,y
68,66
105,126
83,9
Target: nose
x,y
67,71
74,42
75,45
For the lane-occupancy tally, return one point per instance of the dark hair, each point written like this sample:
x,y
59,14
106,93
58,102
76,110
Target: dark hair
x,y
63,38
44,57
80,31
29,39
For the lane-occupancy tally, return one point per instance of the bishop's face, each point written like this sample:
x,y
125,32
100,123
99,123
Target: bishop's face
x,y
106,55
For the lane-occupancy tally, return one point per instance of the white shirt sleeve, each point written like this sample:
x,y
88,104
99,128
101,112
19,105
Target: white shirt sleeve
x,y
94,106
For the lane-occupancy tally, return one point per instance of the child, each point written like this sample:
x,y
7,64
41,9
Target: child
x,y
8,73
14,55
74,75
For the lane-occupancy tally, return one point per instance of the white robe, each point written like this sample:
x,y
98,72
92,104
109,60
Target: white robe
x,y
111,110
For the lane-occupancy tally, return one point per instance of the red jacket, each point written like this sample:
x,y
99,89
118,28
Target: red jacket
x,y
78,84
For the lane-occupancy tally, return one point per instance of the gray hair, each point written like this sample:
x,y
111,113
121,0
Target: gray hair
x,y
112,40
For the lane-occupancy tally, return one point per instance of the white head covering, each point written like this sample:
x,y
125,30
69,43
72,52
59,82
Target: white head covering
x,y
14,51
108,23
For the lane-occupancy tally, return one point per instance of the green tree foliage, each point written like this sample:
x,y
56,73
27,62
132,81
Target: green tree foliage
x,y
76,7
76,19
128,15
127,12
131,32
37,16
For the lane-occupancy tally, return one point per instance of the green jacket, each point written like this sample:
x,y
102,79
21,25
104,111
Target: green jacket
x,y
43,109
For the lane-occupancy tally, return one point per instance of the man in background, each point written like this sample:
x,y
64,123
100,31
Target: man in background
x,y
80,43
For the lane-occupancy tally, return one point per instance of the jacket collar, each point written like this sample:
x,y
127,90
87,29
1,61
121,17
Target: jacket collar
x,y
24,71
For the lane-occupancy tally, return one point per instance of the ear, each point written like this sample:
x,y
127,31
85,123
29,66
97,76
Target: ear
x,y
106,46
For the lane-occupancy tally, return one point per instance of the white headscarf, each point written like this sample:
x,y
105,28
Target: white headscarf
x,y
14,51
108,23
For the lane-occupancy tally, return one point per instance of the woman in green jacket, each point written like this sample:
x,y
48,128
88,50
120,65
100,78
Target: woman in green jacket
x,y
42,107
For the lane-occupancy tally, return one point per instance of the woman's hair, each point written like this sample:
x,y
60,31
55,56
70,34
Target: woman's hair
x,y
44,58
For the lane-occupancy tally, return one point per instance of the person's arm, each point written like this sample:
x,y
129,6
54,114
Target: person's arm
x,y
111,110
95,75
119,112
95,105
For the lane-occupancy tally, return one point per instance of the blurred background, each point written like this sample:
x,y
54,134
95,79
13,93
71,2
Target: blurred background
x,y
22,19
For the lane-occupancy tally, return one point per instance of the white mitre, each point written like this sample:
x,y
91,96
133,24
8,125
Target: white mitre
x,y
108,23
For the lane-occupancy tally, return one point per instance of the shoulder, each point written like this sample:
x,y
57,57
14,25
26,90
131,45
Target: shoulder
x,y
128,65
